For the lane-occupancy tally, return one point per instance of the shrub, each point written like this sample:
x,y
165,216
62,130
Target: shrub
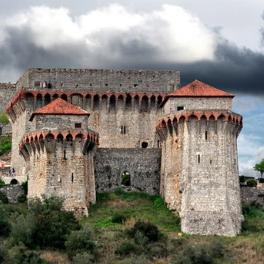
x,y
25,187
5,144
261,180
3,198
201,253
251,183
3,118
2,183
21,255
119,218
79,242
3,254
83,258
22,198
157,250
242,179
45,225
144,232
4,223
127,248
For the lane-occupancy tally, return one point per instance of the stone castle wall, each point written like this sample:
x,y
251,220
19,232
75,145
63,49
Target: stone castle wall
x,y
200,174
100,80
143,166
197,103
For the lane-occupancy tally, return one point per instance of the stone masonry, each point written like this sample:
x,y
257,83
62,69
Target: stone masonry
x,y
176,142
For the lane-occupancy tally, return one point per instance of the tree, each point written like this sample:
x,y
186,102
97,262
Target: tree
x,y
260,167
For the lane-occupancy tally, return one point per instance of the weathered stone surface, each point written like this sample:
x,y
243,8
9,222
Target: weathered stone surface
x,y
251,195
12,192
143,166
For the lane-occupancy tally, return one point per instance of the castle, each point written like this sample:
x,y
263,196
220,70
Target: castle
x,y
76,132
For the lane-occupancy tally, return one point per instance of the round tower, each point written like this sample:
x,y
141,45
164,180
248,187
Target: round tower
x,y
60,163
199,170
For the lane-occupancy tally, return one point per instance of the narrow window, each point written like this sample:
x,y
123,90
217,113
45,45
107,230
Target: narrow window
x,y
206,135
158,143
78,125
64,154
198,158
211,162
144,144
123,130
180,108
72,178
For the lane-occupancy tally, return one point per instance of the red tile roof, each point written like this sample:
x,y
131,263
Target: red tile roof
x,y
199,89
59,107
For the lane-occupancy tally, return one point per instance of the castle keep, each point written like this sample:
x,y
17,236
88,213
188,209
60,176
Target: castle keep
x,y
76,132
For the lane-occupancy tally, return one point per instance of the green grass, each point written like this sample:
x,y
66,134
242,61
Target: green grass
x,y
5,144
138,206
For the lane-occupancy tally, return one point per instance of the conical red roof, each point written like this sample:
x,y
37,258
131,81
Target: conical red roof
x,y
59,107
199,89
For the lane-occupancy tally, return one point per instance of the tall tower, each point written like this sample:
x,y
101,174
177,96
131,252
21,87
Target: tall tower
x,y
199,170
59,155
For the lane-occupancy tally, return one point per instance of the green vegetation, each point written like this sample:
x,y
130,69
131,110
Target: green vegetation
x,y
251,183
2,183
5,144
3,118
121,228
260,168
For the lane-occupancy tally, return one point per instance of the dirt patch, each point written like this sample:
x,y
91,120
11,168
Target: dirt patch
x,y
55,257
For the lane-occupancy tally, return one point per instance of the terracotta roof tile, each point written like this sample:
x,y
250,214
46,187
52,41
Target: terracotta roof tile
x,y
199,89
59,107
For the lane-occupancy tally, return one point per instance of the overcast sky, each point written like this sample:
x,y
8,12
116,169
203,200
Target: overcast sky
x,y
220,42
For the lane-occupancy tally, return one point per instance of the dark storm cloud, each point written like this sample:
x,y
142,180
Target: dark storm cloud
x,y
233,69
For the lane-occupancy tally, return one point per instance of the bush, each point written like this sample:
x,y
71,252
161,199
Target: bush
x,y
79,242
5,144
45,225
157,250
21,255
3,118
251,183
127,248
4,223
2,183
83,258
119,218
3,254
201,253
25,187
144,232
261,180
3,198
22,198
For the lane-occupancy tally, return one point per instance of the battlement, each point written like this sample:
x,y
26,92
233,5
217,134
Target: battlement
x,y
209,115
100,80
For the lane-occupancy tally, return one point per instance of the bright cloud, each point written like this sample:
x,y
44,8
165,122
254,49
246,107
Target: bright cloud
x,y
172,32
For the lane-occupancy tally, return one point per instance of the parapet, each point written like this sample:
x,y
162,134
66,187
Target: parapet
x,y
100,80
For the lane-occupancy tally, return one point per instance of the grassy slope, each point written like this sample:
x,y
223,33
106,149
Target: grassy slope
x,y
246,248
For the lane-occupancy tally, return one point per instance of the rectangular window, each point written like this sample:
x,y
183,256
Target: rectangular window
x,y
78,125
206,135
180,108
123,130
198,158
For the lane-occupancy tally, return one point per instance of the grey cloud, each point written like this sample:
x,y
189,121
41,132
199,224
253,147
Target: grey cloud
x,y
234,69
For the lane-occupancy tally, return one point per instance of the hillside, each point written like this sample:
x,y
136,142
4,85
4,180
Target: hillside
x,y
138,228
